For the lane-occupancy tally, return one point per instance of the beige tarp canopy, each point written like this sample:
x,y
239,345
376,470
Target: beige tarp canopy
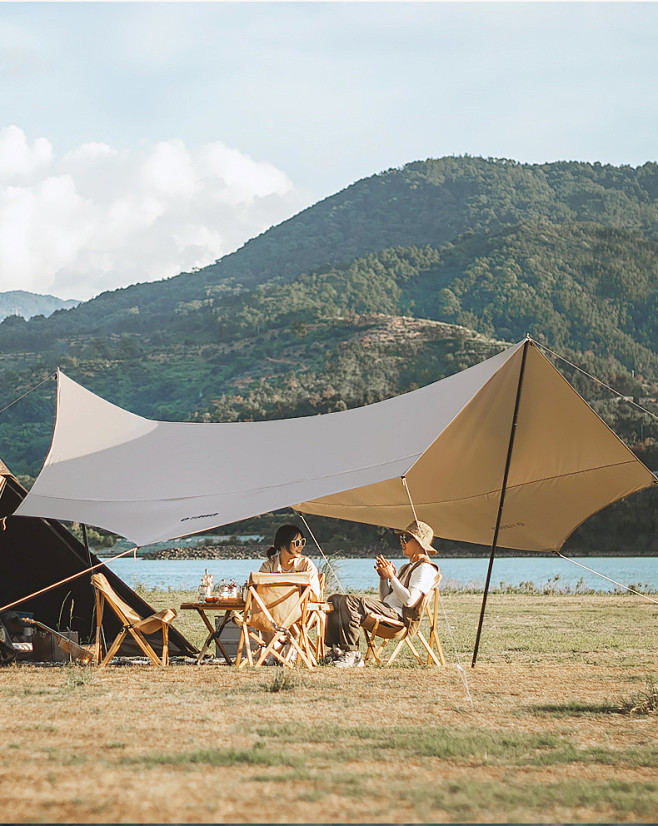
x,y
151,481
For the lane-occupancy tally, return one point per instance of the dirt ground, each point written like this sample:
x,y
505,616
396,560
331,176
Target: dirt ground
x,y
543,741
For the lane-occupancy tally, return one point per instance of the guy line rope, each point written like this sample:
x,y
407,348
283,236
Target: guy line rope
x,y
317,544
603,576
27,392
598,381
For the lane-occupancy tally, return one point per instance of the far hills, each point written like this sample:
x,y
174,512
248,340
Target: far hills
x,y
395,282
27,305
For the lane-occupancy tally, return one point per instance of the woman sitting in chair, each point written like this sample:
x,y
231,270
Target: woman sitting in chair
x,y
285,557
398,593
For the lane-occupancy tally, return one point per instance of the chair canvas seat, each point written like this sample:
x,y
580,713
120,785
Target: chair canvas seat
x,y
154,623
132,623
383,626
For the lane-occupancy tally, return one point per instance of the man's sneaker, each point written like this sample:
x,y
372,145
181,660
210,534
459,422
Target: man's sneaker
x,y
350,659
332,654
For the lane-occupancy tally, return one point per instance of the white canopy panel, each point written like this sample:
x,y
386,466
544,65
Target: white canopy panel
x,y
152,481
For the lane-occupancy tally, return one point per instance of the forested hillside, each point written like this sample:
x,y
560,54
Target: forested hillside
x,y
395,282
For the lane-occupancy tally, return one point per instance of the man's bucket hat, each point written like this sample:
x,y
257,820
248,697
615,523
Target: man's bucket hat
x,y
422,532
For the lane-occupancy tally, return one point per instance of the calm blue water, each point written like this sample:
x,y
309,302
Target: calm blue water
x,y
185,574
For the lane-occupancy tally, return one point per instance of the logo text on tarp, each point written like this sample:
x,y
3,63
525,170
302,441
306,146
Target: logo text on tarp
x,y
200,516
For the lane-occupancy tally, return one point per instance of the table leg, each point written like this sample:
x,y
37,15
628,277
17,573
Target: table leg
x,y
214,635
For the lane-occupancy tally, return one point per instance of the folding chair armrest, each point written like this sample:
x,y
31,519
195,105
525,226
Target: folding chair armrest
x,y
156,621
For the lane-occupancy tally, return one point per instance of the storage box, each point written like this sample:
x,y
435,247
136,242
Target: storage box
x,y
230,639
46,649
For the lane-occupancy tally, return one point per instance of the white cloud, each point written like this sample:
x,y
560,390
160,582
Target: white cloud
x,y
97,218
19,160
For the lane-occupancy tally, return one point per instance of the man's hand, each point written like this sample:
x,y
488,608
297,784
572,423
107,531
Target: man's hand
x,y
384,568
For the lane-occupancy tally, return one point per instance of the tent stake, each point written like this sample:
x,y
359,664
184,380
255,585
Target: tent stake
x,y
501,502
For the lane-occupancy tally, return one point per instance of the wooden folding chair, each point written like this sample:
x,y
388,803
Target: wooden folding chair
x,y
275,606
378,625
132,624
314,622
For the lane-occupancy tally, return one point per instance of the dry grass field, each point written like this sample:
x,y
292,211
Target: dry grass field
x,y
551,735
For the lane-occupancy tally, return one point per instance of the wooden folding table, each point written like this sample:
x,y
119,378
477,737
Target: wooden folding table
x,y
231,606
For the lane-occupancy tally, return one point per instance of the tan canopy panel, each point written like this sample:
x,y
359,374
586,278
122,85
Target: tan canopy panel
x,y
151,481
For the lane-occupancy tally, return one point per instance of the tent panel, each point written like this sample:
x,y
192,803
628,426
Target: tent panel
x,y
151,481
35,553
541,516
558,432
467,460
566,465
524,524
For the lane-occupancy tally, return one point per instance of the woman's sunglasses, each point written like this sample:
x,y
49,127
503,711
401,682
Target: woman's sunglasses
x,y
298,543
404,538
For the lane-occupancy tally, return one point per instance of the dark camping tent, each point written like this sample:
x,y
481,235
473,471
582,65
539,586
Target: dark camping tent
x,y
35,553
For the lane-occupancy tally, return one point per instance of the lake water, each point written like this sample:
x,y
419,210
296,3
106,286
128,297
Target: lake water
x,y
185,574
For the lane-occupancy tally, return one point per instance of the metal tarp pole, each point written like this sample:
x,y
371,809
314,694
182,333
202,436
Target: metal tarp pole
x,y
501,503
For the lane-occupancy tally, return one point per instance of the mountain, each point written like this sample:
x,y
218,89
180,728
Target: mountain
x,y
27,305
393,283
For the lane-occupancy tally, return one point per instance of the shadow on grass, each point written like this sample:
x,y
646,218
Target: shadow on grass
x,y
257,755
574,709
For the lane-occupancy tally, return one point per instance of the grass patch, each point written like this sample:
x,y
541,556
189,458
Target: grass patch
x,y
643,701
284,679
494,747
76,676
461,800
372,744
257,755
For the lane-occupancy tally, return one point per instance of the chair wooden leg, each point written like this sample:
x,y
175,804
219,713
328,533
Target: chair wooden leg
x,y
100,604
407,639
434,639
246,637
370,641
301,653
369,648
322,630
431,656
270,648
379,651
165,645
114,647
396,650
141,641
243,641
304,642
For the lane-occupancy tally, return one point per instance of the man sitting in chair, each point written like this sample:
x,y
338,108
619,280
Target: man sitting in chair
x,y
397,592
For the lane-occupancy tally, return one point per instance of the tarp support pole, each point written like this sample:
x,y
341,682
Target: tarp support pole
x,y
86,541
501,503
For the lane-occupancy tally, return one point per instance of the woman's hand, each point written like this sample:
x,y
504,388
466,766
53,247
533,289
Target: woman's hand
x,y
384,568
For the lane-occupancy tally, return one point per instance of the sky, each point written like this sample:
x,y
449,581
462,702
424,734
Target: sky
x,y
139,140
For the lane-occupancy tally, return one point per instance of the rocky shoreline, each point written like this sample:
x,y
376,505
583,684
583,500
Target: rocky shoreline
x,y
257,551
238,551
